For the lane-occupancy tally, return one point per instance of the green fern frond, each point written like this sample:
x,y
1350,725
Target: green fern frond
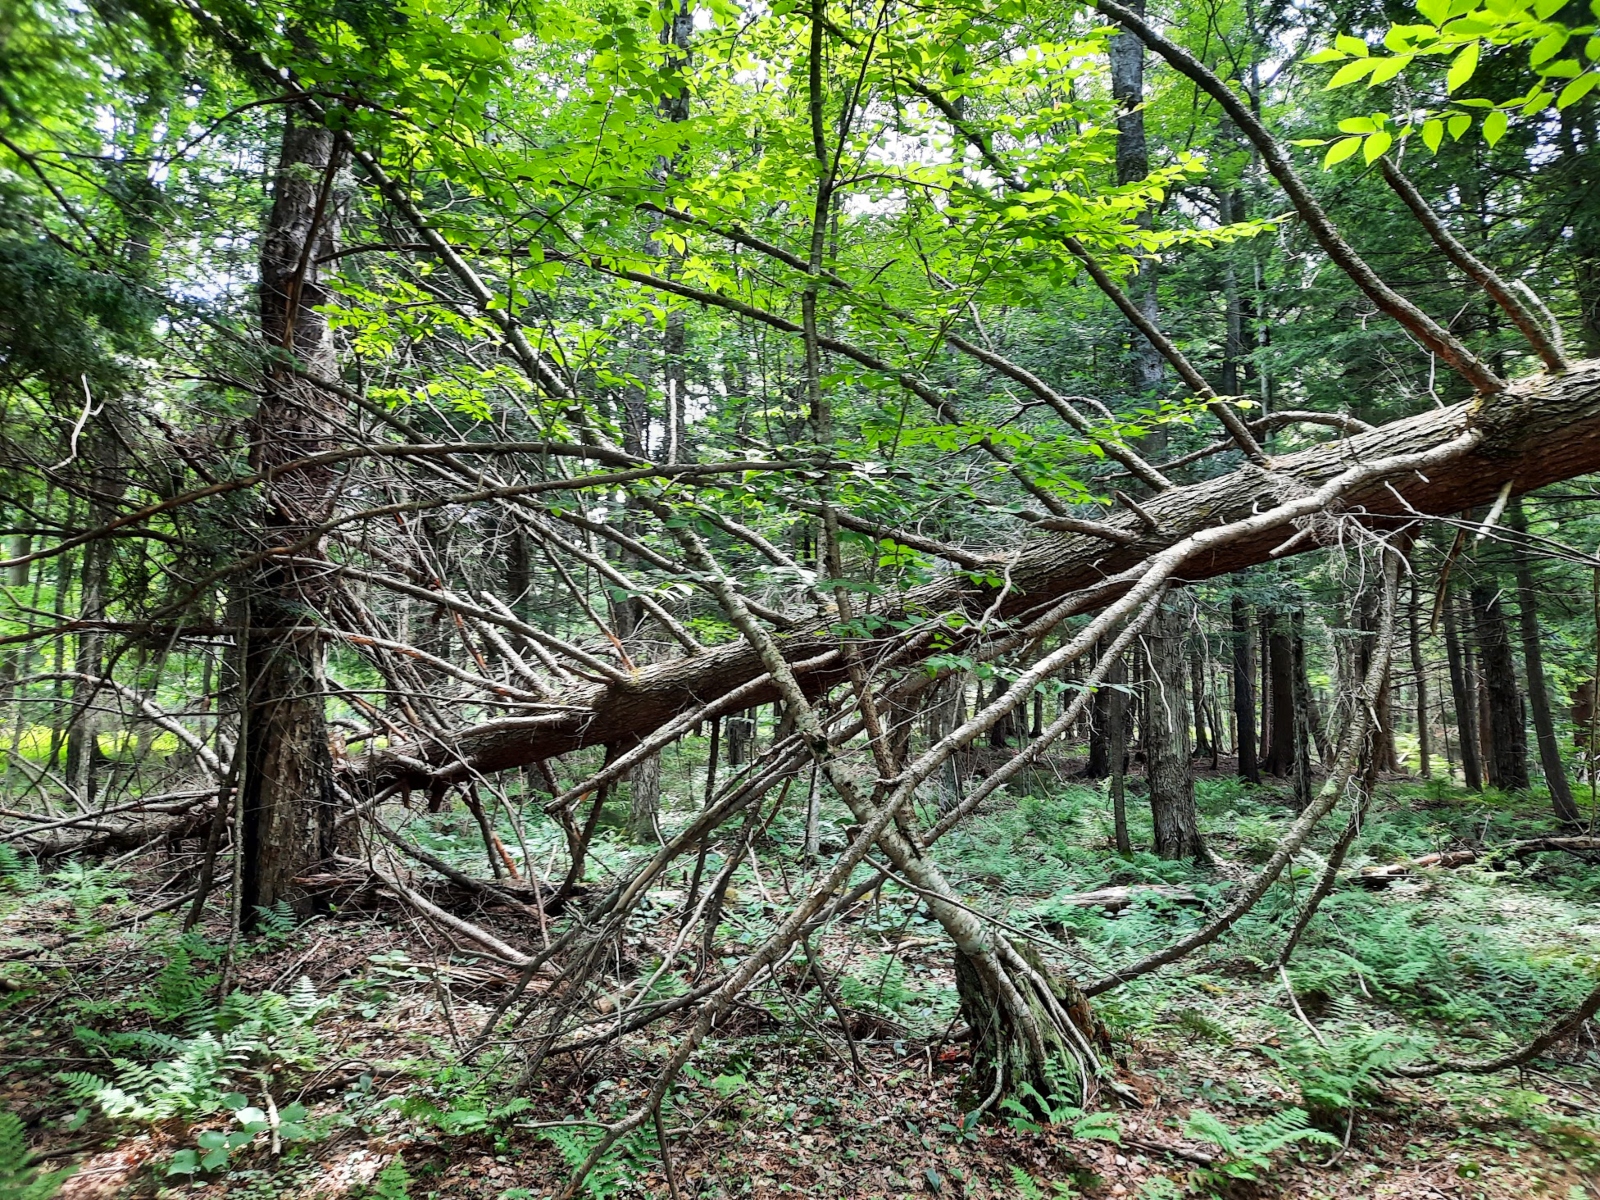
x,y
19,1179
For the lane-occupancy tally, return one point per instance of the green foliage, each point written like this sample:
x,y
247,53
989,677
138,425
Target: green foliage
x,y
177,993
393,1182
243,1036
216,1146
1339,1072
610,1177
1247,1151
19,1178
1030,1189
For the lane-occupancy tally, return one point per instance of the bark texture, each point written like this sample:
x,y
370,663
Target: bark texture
x,y
287,781
1507,752
1461,695
1166,743
1544,725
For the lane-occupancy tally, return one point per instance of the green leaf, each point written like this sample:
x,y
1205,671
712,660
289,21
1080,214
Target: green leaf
x,y
1351,72
1494,126
184,1162
1377,145
1577,89
1433,134
1458,124
1437,11
1353,46
1550,45
1545,9
1358,125
1461,70
1388,68
1340,150
1327,56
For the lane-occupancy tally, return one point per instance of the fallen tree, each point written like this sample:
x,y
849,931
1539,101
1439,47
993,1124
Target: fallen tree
x,y
1541,430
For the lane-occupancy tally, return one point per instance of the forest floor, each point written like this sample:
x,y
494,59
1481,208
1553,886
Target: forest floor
x,y
334,1068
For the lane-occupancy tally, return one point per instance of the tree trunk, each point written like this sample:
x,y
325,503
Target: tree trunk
x,y
1303,738
1126,53
1114,689
1166,738
1461,696
1508,750
1544,725
1280,659
644,799
1383,754
1244,701
287,780
1197,698
1100,721
1048,1056
1419,672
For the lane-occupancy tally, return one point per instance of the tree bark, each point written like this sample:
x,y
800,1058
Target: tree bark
x,y
1197,699
1244,701
1279,759
1541,430
1461,696
1126,53
1420,674
287,781
1544,725
1166,743
1304,737
1508,748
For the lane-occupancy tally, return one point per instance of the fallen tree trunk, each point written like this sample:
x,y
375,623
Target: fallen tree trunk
x,y
1380,876
1542,430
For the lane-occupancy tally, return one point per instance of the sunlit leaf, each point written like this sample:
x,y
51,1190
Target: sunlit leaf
x,y
1351,72
1462,68
1341,150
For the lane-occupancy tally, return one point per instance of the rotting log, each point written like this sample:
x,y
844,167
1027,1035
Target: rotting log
x,y
1542,430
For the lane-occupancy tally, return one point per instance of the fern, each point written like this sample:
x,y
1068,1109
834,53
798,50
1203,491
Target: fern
x,y
1335,1077
1247,1151
274,923
393,1182
242,1036
18,1179
177,993
609,1177
1025,1184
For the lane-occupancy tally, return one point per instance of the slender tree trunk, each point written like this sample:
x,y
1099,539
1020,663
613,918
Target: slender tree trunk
x,y
1244,701
1303,738
1117,749
1197,699
1280,750
1544,725
1508,754
1166,745
1419,672
287,784
1126,53
1461,696
1100,722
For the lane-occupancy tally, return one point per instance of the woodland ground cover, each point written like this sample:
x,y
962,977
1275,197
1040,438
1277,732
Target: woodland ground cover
x,y
334,1065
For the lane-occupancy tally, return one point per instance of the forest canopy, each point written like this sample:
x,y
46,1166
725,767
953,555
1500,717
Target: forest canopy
x,y
691,563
